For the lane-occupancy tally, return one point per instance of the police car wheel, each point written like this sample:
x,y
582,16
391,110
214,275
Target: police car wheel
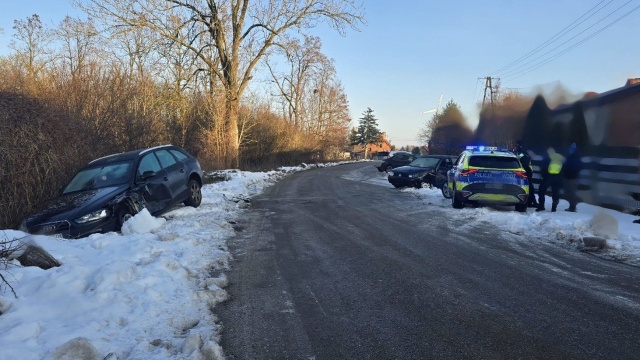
x,y
521,207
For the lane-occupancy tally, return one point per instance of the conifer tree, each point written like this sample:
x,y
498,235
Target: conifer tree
x,y
367,132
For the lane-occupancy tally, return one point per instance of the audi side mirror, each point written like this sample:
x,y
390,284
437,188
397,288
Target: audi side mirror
x,y
147,175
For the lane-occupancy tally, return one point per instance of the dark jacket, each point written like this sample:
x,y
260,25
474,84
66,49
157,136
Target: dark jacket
x,y
544,166
525,159
572,166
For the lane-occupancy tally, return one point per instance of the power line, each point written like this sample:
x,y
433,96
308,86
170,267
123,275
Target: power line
x,y
475,92
589,37
555,37
518,69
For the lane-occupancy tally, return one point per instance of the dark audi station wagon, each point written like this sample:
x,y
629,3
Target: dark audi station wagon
x,y
109,190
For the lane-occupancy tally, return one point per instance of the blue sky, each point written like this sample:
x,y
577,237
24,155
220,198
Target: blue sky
x,y
409,51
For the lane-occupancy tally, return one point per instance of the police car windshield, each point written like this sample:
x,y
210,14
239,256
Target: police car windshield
x,y
424,162
495,162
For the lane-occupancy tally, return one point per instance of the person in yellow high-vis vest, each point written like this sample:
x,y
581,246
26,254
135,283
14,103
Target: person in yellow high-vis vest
x,y
551,171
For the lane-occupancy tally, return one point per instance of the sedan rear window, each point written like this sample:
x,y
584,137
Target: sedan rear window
x,y
425,162
496,162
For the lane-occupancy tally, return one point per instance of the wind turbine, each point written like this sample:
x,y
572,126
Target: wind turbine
x,y
436,109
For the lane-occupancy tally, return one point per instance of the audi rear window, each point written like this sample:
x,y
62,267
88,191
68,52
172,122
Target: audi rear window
x,y
496,162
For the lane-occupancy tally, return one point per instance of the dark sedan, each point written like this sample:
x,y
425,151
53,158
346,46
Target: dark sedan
x,y
108,191
398,158
428,169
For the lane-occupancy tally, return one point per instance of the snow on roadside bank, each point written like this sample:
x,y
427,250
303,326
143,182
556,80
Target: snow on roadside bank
x,y
145,293
621,234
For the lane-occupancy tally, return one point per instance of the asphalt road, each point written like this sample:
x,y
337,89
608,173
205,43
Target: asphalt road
x,y
329,265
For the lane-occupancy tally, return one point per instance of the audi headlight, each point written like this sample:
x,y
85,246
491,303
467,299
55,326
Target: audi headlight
x,y
417,175
96,215
391,173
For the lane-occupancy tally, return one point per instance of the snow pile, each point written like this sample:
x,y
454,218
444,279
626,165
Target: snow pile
x,y
145,293
621,236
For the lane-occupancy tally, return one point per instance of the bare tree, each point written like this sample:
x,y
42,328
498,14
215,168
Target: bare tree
x,y
331,125
304,61
80,43
30,42
312,97
232,35
7,247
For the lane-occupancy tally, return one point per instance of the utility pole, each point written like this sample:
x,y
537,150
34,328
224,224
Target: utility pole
x,y
488,85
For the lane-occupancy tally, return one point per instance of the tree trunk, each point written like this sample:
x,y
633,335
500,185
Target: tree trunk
x,y
231,128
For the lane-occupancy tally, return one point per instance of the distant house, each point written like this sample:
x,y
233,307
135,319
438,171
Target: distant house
x,y
384,145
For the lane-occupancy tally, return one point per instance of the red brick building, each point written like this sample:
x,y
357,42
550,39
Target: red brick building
x,y
372,149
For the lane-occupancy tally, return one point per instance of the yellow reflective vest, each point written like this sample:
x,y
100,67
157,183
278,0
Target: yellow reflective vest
x,y
555,165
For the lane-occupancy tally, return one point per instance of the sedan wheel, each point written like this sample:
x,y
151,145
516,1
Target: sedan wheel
x,y
195,194
446,192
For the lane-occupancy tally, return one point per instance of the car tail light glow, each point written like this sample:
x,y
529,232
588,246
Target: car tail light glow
x,y
521,174
467,172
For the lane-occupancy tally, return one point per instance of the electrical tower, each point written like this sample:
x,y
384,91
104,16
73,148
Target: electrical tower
x,y
488,85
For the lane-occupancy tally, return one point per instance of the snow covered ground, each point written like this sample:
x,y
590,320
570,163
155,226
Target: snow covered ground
x,y
621,234
147,293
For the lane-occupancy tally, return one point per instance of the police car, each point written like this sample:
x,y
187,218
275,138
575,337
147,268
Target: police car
x,y
484,174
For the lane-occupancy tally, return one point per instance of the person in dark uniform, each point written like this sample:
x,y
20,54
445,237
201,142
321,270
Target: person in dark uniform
x,y
525,160
571,170
551,177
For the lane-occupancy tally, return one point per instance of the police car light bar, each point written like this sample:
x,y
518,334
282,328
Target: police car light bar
x,y
485,148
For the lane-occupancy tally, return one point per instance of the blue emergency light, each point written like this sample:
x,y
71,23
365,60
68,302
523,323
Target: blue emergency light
x,y
485,148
